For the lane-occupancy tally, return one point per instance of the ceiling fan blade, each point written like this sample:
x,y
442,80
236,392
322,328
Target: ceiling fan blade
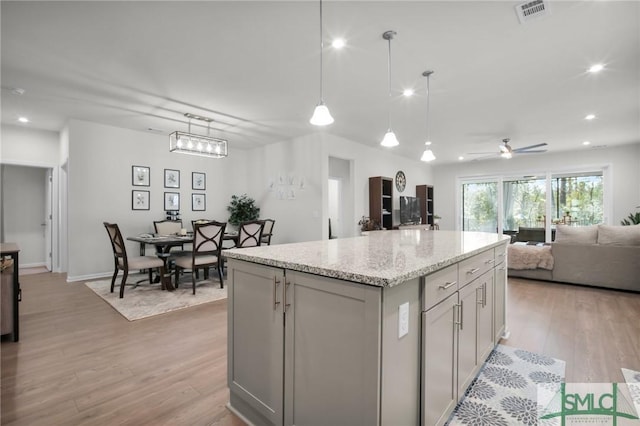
x,y
531,152
526,148
480,153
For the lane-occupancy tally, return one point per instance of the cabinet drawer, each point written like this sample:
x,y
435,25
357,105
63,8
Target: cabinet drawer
x,y
439,285
500,254
472,268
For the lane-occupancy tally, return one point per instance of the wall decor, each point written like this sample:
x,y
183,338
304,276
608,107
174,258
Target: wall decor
x,y
140,176
139,200
171,178
401,181
198,180
171,201
198,202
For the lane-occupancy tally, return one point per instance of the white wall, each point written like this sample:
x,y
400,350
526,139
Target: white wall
x,y
370,162
623,163
100,185
29,147
22,145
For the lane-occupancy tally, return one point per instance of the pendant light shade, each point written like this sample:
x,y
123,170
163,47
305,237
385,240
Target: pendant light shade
x,y
321,115
389,139
427,155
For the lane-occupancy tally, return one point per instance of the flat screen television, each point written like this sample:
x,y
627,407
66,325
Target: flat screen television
x,y
410,210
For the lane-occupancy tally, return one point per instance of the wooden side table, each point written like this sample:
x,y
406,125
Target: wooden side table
x,y
10,280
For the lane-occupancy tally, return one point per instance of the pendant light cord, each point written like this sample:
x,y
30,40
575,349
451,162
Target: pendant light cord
x,y
321,49
389,75
428,96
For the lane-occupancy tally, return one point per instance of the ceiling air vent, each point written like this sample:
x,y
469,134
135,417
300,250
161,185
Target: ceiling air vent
x,y
532,9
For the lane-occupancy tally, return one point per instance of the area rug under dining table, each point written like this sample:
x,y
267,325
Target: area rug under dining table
x,y
147,300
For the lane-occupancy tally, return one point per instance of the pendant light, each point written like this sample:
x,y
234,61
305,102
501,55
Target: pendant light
x,y
321,115
389,139
427,155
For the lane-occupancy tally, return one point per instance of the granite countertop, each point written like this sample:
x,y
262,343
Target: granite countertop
x,y
381,258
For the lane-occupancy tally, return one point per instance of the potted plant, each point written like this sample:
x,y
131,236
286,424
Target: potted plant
x,y
242,208
436,219
633,219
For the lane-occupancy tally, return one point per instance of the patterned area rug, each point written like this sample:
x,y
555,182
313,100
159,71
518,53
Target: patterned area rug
x,y
147,300
505,391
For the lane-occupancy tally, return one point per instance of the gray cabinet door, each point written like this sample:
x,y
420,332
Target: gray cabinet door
x,y
439,361
256,338
332,352
499,302
484,305
467,338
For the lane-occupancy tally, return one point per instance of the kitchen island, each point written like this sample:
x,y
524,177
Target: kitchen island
x,y
387,328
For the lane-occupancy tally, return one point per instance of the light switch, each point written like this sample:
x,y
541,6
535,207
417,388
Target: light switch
x,y
403,320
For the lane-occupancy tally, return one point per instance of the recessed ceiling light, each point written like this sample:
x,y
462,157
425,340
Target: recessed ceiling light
x,y
590,117
596,68
586,143
408,92
461,158
23,119
338,43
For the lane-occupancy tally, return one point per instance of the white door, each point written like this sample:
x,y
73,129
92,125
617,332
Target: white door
x,y
48,217
335,206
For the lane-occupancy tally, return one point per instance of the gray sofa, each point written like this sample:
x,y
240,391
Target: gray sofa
x,y
599,255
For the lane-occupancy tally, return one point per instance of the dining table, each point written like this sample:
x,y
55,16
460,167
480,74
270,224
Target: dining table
x,y
164,243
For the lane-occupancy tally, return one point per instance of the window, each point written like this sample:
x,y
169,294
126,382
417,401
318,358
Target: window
x,y
512,203
577,199
480,206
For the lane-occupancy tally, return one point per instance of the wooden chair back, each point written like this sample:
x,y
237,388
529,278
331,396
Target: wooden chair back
x,y
250,234
267,231
117,244
207,238
167,226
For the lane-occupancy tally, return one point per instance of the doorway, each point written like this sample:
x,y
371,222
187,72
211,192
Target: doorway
x,y
27,202
340,198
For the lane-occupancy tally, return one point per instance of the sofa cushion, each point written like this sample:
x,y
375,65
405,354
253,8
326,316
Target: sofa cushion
x,y
619,235
576,234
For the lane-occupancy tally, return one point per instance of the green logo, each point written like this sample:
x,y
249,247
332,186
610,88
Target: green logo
x,y
588,403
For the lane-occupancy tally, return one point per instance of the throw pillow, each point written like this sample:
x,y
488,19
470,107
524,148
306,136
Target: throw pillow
x,y
576,234
619,235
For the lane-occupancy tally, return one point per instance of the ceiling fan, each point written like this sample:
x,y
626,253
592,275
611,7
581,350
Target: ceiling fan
x,y
506,151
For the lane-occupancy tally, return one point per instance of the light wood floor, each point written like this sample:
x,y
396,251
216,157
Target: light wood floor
x,y
79,362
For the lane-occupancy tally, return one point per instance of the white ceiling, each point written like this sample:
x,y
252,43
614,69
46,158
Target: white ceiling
x,y
254,68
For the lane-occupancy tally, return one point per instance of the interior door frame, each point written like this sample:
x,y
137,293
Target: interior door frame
x,y
52,238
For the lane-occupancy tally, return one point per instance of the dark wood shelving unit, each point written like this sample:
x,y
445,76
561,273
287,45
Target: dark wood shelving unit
x,y
425,194
381,201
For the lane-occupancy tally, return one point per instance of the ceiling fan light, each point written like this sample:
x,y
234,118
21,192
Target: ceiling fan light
x,y
427,155
389,139
506,154
321,115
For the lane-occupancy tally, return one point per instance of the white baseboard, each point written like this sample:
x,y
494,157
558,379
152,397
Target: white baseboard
x,y
32,265
89,277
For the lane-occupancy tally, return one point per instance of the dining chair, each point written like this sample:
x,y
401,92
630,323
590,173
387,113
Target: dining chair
x,y
125,263
267,232
207,246
250,234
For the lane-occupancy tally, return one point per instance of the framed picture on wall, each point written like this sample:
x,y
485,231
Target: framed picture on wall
x,y
198,202
139,200
140,176
171,178
171,201
198,180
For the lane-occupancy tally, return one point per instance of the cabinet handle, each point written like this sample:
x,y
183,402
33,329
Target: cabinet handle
x,y
286,305
461,314
489,261
479,299
484,295
501,269
447,285
473,271
500,254
456,313
276,281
